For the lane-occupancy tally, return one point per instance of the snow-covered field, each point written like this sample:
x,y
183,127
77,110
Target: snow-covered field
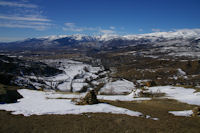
x,y
51,102
129,97
118,87
185,95
76,76
182,113
37,103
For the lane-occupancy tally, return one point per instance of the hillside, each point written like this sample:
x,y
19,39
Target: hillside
x,y
175,43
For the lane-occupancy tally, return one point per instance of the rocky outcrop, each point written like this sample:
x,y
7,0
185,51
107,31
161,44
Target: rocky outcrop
x,y
150,83
9,96
89,99
196,111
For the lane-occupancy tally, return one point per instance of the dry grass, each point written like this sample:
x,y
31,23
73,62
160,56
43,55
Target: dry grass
x,y
151,94
107,123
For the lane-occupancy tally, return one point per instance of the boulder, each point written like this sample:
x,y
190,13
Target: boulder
x,y
90,98
196,111
150,83
9,96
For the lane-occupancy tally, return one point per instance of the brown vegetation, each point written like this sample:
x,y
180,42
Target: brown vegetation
x,y
107,123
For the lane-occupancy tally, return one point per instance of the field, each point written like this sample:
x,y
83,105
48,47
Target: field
x,y
107,66
124,71
105,123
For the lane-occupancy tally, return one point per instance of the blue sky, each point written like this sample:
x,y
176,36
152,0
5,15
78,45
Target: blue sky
x,y
20,19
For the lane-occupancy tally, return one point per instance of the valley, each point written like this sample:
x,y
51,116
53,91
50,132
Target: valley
x,y
144,84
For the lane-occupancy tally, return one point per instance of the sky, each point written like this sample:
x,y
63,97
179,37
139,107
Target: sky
x,y
20,19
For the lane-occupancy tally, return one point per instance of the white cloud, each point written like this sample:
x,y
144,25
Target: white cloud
x,y
140,30
24,18
105,31
16,4
40,23
72,27
112,27
156,30
22,24
23,14
70,24
10,39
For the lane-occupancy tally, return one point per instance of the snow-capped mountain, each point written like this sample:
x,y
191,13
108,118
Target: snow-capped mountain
x,y
185,33
179,42
77,37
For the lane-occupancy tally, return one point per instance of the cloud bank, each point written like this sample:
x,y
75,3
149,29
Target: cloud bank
x,y
72,27
20,14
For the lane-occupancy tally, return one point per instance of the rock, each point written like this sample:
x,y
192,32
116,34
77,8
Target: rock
x,y
90,98
9,96
196,111
145,94
6,78
150,83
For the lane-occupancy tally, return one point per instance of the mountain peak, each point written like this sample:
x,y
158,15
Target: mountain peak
x,y
183,33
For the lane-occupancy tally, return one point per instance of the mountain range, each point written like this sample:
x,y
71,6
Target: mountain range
x,y
180,42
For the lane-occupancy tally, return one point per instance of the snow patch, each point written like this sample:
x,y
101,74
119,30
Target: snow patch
x,y
186,113
185,95
129,97
181,72
118,87
74,76
36,103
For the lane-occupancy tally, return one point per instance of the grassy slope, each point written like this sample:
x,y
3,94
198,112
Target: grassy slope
x,y
107,123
